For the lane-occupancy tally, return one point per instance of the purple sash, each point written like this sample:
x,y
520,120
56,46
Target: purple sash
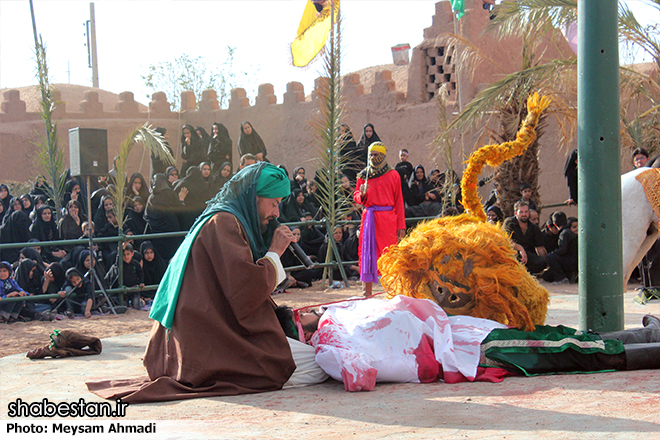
x,y
369,266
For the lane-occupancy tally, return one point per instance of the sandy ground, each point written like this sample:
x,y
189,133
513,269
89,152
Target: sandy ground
x,y
20,337
621,405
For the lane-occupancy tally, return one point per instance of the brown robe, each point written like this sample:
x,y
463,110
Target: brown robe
x,y
225,338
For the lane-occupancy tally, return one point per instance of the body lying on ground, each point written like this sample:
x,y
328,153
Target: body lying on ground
x,y
413,340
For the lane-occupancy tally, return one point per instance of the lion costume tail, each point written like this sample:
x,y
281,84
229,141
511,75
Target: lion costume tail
x,y
494,155
465,264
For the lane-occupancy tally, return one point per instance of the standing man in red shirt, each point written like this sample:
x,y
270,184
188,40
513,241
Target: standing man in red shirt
x,y
383,224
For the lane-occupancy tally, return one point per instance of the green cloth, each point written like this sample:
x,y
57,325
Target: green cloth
x,y
273,183
238,197
549,350
459,7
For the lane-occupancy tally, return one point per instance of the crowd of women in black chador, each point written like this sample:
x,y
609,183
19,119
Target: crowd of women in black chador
x,y
170,201
45,269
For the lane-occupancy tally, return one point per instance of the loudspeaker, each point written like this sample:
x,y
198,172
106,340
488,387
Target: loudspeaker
x,y
88,151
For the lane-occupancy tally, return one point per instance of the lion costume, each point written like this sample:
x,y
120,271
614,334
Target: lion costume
x,y
465,264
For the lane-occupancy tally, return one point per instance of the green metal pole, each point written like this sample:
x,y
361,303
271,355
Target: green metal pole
x,y
599,186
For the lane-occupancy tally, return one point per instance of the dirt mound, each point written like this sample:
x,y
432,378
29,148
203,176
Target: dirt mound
x,y
399,75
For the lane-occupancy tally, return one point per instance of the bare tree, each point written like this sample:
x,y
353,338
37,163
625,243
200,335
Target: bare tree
x,y
188,73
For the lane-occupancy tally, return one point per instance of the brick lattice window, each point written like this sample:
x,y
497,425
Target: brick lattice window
x,y
439,70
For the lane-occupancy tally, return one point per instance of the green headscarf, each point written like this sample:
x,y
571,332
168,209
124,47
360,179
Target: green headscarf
x,y
238,197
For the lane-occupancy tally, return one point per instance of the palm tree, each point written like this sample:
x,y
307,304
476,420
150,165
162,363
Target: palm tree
x,y
329,139
641,89
529,21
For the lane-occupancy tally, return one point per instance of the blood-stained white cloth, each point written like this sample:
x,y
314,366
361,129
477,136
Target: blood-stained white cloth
x,y
399,340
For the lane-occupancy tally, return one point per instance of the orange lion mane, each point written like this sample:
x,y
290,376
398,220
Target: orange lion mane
x,y
500,287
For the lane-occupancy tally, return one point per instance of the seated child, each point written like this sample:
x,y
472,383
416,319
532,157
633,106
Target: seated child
x,y
133,274
78,294
9,288
526,192
352,271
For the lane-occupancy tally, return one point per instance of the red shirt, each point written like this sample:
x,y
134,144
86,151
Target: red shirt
x,y
384,190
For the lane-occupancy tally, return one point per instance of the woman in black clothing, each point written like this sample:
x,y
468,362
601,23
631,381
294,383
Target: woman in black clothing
x,y
161,215
249,142
563,261
299,181
419,185
295,206
15,204
571,174
85,263
352,271
157,165
205,169
192,150
40,187
135,216
70,227
206,139
53,280
311,238
29,278
220,150
44,229
5,196
137,187
100,219
495,215
113,173
15,229
34,255
96,200
39,200
369,136
71,258
111,229
222,176
73,192
195,201
172,175
352,154
301,278
27,203
153,266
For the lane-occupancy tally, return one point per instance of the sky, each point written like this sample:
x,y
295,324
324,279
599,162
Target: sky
x,y
131,35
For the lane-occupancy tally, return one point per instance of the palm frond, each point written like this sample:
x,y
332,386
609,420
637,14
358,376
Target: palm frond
x,y
515,19
515,87
630,30
639,89
443,144
150,140
50,157
329,142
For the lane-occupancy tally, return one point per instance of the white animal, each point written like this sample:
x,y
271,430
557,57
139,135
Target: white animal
x,y
639,223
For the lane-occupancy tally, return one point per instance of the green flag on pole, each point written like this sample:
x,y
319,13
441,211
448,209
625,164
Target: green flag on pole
x,y
459,7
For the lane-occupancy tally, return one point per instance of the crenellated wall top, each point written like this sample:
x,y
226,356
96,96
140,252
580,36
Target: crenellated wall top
x,y
14,108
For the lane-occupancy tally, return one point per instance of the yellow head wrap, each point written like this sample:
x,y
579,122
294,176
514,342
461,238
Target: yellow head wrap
x,y
378,147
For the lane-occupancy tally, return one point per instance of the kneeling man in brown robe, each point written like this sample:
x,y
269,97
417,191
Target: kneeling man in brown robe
x,y
216,332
